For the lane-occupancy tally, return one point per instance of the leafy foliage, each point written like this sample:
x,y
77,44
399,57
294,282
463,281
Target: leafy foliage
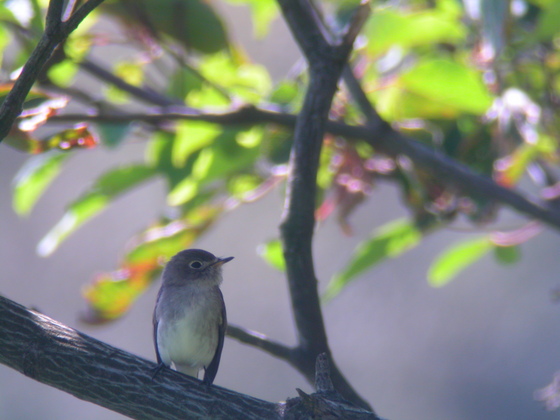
x,y
479,85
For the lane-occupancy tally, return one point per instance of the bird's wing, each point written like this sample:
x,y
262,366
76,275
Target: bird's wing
x,y
212,369
156,323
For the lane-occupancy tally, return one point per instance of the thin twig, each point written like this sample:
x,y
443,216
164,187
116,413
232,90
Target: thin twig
x,y
55,32
260,341
144,93
381,136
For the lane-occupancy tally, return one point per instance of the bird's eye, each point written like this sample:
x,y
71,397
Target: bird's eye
x,y
195,264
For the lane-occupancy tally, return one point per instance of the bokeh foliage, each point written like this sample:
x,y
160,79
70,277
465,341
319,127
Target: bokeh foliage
x,y
476,80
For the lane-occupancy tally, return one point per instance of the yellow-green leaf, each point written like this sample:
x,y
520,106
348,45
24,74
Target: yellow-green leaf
x,y
389,241
456,258
109,186
33,178
273,254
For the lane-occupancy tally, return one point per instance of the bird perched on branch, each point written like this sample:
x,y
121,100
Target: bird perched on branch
x,y
190,315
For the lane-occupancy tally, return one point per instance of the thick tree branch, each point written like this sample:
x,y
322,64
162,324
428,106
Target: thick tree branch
x,y
55,32
56,355
326,61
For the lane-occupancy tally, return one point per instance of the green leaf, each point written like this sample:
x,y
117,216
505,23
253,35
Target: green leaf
x,y
191,137
182,82
113,134
241,185
273,254
285,92
547,26
62,74
33,178
388,241
231,152
388,28
262,11
193,23
109,186
245,80
507,254
450,84
182,192
456,258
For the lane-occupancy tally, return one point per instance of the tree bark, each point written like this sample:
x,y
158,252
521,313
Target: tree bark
x,y
56,355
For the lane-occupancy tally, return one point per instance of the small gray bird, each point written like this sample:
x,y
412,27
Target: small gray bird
x,y
190,315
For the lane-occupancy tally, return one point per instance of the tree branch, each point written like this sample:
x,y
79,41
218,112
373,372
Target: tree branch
x,y
325,61
56,355
144,94
260,341
55,32
380,135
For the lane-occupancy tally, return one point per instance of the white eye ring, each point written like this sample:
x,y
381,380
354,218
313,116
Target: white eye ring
x,y
195,264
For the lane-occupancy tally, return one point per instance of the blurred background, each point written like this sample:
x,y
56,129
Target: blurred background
x,y
475,349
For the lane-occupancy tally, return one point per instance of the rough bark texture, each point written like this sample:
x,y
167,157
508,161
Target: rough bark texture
x,y
54,354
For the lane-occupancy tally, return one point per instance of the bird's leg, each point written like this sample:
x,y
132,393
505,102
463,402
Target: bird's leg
x,y
158,369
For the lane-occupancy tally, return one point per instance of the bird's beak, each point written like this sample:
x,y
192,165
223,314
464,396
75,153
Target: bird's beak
x,y
222,261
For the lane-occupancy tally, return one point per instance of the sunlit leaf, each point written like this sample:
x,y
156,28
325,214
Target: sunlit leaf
x,y
242,184
62,74
388,241
165,240
263,12
72,138
110,296
182,192
15,13
5,38
456,258
448,83
192,136
511,168
109,186
184,81
33,178
224,157
387,28
207,96
273,254
243,79
229,156
285,93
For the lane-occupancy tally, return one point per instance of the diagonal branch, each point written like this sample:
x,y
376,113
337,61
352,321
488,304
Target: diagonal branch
x,y
54,354
55,32
326,61
260,341
143,93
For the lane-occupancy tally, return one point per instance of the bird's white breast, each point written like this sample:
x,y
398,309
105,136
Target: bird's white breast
x,y
190,339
